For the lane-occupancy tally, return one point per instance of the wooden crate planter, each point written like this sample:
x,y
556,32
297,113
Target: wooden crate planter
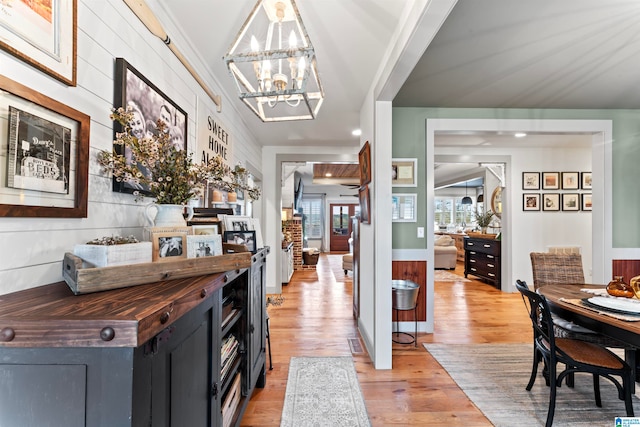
x,y
111,255
82,279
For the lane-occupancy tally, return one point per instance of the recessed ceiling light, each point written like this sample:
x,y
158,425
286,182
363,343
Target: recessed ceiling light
x,y
520,134
356,132
328,175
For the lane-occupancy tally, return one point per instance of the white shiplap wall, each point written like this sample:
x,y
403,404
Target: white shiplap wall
x,y
32,248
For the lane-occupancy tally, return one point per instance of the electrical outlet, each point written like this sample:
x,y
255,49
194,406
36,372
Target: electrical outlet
x,y
420,232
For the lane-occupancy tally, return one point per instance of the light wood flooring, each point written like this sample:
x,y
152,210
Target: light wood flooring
x,y
315,319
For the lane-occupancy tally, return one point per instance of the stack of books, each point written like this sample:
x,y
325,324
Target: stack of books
x,y
229,353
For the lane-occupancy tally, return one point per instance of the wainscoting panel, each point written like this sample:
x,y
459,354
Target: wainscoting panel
x,y
627,268
416,271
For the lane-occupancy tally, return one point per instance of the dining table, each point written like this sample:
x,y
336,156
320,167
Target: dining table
x,y
572,302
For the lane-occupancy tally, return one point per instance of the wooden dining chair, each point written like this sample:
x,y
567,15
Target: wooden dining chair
x,y
576,355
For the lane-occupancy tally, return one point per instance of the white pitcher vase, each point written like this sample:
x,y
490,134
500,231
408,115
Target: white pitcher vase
x,y
168,215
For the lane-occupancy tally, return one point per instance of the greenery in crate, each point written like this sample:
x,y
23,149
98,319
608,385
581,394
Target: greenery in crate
x,y
173,177
483,219
113,240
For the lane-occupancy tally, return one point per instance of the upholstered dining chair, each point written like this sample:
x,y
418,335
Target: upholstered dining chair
x,y
576,355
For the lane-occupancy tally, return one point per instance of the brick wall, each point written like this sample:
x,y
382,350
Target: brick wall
x,y
294,226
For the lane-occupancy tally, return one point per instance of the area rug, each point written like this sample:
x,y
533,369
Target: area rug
x,y
323,391
494,377
447,276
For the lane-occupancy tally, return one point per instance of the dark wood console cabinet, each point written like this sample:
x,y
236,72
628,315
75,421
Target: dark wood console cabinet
x,y
482,259
149,355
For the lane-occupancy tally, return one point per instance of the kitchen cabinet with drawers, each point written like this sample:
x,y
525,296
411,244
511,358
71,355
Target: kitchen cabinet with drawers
x,y
482,259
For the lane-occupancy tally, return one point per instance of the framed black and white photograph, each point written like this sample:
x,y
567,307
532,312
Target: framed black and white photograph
x,y
204,245
243,223
571,202
570,180
550,201
247,238
587,203
39,153
550,180
531,202
169,246
43,34
149,104
238,223
530,180
44,167
585,179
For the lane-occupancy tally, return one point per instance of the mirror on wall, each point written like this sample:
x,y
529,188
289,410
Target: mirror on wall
x,y
496,202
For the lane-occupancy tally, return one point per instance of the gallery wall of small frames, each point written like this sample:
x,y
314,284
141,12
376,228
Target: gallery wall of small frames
x,y
562,191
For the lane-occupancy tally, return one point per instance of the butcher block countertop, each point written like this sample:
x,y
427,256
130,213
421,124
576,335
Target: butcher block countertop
x,y
52,316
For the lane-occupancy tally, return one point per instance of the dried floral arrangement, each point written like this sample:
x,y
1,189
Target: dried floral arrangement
x,y
113,240
172,177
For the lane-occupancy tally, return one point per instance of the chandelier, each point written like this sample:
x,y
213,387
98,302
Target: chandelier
x,y
273,64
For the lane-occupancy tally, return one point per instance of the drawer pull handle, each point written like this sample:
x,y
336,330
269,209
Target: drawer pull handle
x,y
487,246
164,317
107,334
490,256
491,274
469,244
472,260
7,334
472,252
490,265
473,269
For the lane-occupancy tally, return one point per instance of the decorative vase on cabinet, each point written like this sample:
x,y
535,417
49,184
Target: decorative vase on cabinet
x,y
168,215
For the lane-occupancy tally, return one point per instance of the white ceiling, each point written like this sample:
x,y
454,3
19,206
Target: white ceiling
x,y
489,53
350,38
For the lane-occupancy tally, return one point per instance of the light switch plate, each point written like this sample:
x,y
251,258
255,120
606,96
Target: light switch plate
x,y
420,232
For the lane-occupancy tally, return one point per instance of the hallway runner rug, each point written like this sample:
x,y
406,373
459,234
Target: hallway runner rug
x,y
494,377
323,391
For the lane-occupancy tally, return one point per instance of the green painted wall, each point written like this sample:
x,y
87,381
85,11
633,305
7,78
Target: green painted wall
x,y
409,141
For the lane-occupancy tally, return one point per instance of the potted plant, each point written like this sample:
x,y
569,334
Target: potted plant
x,y
483,219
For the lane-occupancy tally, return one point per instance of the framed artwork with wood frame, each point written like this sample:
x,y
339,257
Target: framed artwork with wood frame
x,y
531,202
43,34
570,180
586,180
149,105
571,202
530,180
550,201
364,163
550,180
365,204
587,202
404,172
44,172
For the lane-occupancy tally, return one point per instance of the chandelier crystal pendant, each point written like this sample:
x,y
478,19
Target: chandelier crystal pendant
x,y
273,64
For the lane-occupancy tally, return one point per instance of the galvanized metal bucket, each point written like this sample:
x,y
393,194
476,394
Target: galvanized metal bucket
x,y
405,294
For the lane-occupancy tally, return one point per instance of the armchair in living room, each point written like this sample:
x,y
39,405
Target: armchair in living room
x,y
445,253
347,259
